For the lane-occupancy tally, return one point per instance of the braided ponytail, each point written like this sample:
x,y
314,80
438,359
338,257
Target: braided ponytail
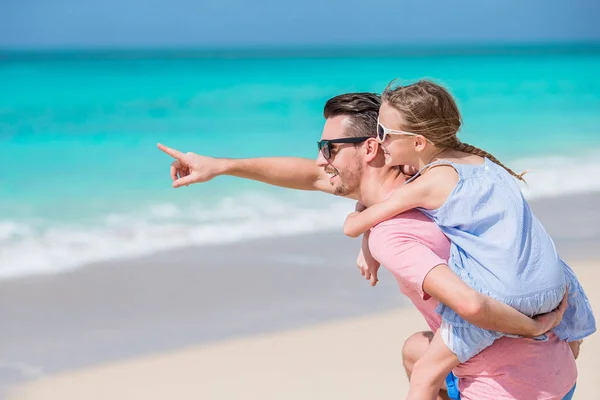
x,y
467,148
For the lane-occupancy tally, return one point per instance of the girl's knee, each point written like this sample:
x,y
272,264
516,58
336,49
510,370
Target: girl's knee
x,y
413,349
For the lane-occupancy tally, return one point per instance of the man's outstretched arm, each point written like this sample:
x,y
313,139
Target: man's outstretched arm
x,y
288,172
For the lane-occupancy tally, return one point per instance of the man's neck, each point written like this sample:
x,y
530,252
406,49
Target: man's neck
x,y
377,184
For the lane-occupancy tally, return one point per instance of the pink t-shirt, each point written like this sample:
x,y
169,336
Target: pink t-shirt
x,y
410,246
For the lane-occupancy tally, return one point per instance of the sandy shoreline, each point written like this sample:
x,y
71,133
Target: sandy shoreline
x,y
114,311
181,305
352,359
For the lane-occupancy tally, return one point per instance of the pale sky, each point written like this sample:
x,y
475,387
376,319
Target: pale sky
x,y
230,23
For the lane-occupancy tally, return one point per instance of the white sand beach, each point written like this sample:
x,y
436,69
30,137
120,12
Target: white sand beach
x,y
353,358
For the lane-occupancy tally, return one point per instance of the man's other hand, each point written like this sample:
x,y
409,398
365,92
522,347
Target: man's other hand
x,y
367,265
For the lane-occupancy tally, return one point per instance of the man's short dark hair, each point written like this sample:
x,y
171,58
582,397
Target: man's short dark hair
x,y
362,108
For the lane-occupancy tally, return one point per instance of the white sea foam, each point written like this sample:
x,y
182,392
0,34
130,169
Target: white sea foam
x,y
37,247
559,176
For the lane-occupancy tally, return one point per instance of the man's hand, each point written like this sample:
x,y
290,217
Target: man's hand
x,y
547,322
191,168
367,265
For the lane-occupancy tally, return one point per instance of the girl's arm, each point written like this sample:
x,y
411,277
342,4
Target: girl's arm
x,y
431,369
429,191
401,199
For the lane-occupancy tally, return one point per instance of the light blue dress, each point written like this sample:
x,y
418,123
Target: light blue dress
x,y
500,249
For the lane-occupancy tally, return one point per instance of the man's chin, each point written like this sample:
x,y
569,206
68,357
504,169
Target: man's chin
x,y
338,190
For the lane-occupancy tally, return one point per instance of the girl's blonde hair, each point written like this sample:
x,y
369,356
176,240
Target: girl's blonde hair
x,y
429,110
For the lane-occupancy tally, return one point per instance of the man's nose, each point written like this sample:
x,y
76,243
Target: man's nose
x,y
321,161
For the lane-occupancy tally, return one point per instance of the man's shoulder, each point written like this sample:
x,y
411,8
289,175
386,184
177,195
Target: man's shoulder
x,y
409,218
410,226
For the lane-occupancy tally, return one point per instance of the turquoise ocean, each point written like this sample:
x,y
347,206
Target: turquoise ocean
x,y
81,179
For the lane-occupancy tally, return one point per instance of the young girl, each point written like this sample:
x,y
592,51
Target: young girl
x,y
498,246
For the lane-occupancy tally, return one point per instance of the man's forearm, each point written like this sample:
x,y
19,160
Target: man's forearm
x,y
497,316
476,308
288,172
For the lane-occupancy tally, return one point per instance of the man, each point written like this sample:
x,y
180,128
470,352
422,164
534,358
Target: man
x,y
351,164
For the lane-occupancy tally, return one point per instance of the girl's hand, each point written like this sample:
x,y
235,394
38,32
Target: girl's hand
x,y
408,170
360,207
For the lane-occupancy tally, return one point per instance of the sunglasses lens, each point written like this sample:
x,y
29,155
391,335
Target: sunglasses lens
x,y
380,132
324,148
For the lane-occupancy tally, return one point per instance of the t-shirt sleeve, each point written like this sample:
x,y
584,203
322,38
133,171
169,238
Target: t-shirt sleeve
x,y
399,250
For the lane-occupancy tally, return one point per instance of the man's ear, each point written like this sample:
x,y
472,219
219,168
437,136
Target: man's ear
x,y
371,149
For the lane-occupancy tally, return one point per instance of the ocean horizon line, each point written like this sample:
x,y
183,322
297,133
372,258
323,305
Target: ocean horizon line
x,y
300,51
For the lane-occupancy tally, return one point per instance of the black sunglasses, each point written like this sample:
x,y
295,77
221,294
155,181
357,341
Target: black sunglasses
x,y
325,145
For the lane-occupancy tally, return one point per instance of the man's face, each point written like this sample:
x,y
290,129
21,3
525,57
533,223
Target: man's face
x,y
344,166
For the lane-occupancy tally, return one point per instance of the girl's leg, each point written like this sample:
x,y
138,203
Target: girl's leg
x,y
430,370
413,349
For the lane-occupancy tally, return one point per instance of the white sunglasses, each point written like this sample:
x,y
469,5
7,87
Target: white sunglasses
x,y
382,132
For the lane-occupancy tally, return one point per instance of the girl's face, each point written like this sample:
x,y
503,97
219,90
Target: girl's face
x,y
398,146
